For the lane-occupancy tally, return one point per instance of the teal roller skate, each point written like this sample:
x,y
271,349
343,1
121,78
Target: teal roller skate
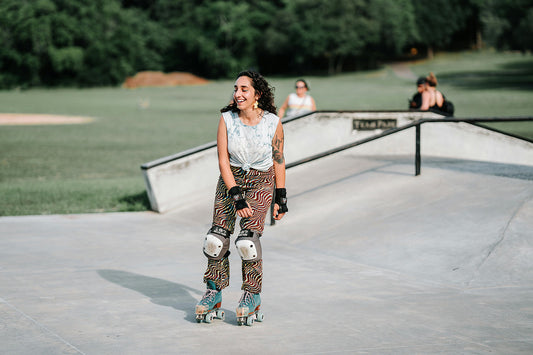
x,y
248,309
209,306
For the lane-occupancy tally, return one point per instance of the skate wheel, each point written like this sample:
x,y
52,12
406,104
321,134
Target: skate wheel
x,y
259,316
209,317
220,314
240,321
199,318
249,321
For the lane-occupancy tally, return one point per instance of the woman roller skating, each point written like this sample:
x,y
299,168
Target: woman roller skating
x,y
252,170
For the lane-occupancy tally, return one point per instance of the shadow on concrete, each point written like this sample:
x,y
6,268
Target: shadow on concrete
x,y
514,76
522,172
161,292
380,168
514,171
136,202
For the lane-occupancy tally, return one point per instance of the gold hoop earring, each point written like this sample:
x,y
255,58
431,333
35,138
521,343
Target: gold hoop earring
x,y
256,104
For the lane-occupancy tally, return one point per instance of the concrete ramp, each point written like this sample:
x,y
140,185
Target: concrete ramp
x,y
369,260
460,223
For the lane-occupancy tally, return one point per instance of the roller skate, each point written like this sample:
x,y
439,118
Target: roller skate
x,y
209,306
248,309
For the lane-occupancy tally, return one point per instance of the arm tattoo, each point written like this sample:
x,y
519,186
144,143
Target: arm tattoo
x,y
277,153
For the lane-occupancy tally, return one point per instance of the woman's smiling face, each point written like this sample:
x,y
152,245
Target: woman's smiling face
x,y
244,93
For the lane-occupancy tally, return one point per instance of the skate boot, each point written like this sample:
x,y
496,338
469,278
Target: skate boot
x,y
209,306
248,309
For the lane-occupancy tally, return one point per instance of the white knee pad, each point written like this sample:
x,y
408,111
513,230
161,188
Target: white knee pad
x,y
248,245
216,243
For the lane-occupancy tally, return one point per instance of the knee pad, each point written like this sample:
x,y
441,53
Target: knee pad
x,y
248,245
216,243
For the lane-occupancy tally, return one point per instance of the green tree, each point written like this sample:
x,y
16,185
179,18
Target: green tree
x,y
439,20
68,42
213,38
330,29
397,24
26,36
507,23
338,31
524,31
117,42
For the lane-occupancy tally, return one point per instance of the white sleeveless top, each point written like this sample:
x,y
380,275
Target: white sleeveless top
x,y
250,147
299,105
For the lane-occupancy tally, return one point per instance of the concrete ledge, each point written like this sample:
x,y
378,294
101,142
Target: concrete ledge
x,y
171,183
467,141
456,140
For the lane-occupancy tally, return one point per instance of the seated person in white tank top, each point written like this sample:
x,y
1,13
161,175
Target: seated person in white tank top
x,y
298,103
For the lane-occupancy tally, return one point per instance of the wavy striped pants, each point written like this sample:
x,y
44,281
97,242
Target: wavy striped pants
x,y
258,188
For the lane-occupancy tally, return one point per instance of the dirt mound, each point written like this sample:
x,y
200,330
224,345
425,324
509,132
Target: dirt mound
x,y
156,78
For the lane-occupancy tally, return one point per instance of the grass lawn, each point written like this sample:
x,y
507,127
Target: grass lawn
x,y
95,167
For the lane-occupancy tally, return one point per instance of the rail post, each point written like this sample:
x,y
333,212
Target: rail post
x,y
417,151
272,220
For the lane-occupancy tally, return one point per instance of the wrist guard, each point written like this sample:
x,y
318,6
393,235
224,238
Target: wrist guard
x,y
280,198
238,198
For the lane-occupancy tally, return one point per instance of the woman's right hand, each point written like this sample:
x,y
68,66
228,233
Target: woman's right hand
x,y
243,208
245,212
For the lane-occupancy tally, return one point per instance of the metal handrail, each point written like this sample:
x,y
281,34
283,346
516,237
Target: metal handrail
x,y
416,124
206,146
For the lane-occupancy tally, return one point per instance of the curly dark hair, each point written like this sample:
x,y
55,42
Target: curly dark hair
x,y
261,86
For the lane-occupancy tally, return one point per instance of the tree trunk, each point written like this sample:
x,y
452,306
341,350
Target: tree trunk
x,y
479,39
331,65
340,64
430,52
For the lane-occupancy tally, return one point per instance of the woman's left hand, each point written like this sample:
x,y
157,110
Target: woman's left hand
x,y
277,216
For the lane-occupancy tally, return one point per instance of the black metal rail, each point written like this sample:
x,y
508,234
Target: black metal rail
x,y
192,151
417,125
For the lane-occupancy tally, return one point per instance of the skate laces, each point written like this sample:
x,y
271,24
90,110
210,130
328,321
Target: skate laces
x,y
246,298
209,296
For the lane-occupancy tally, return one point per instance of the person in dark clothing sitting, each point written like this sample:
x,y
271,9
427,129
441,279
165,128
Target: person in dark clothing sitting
x,y
416,101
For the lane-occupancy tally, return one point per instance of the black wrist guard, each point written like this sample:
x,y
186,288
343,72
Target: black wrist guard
x,y
281,199
238,197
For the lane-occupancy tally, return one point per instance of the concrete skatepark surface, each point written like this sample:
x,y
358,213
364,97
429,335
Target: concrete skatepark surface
x,y
369,260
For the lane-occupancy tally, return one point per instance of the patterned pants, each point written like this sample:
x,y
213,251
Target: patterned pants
x,y
258,188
